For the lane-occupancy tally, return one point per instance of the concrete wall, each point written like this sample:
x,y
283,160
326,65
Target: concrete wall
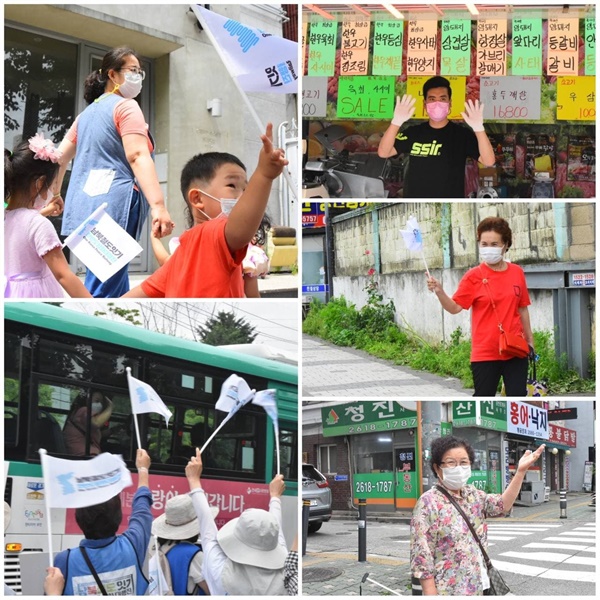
x,y
584,425
543,233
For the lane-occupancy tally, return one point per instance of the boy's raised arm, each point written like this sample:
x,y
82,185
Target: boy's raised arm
x,y
246,215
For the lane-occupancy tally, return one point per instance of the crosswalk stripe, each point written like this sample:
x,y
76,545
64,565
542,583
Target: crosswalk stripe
x,y
582,534
552,557
524,525
585,529
560,547
512,532
499,538
566,539
545,573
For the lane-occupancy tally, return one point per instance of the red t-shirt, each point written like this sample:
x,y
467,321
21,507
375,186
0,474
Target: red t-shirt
x,y
509,291
201,267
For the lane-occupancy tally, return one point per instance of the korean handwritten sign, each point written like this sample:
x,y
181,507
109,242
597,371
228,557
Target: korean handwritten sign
x,y
590,46
321,48
563,46
576,98
456,47
527,47
414,87
387,47
526,419
491,47
366,97
422,47
314,96
366,416
511,98
355,47
304,41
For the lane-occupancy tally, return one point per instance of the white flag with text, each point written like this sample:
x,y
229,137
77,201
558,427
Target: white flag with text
x,y
144,398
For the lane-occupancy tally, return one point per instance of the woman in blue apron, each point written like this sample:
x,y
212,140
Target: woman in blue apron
x,y
113,161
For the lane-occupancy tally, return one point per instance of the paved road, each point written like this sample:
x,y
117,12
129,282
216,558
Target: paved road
x,y
330,371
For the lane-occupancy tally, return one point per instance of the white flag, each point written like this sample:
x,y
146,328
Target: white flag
x,y
79,483
266,399
102,245
412,235
235,393
144,398
259,61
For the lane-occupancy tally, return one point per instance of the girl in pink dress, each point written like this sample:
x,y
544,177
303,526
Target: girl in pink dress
x,y
34,263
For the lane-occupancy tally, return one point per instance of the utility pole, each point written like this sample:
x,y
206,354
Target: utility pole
x,y
431,413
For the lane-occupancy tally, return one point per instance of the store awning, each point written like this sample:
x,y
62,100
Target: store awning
x,y
552,445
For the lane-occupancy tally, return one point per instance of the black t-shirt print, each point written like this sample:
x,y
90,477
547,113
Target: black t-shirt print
x,y
436,165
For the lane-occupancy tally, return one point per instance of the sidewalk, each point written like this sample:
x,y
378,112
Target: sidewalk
x,y
329,371
340,574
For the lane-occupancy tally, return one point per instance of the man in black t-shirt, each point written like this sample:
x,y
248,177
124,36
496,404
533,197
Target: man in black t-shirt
x,y
438,148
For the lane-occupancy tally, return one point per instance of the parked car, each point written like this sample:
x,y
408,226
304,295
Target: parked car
x,y
315,488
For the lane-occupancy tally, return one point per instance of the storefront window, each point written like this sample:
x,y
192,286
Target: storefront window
x,y
373,453
40,85
328,459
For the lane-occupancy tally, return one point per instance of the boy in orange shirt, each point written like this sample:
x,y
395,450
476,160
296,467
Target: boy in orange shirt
x,y
208,262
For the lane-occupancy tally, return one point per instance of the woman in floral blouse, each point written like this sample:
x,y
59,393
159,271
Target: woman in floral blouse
x,y
443,553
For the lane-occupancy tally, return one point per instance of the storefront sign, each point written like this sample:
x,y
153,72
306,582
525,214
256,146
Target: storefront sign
x,y
526,419
387,47
314,96
526,47
488,414
511,98
422,47
563,436
315,288
366,97
563,46
321,48
582,279
414,87
355,46
487,481
506,462
581,159
445,429
590,46
364,417
373,485
576,98
456,47
491,47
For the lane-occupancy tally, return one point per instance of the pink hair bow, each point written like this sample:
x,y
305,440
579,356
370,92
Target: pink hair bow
x,y
43,149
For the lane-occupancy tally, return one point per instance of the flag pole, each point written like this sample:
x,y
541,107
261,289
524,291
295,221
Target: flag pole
x,y
426,267
158,576
257,120
43,454
216,431
276,428
134,415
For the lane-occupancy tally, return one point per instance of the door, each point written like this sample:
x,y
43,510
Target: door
x,y
405,469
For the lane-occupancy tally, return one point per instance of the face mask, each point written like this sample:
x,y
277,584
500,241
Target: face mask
x,y
491,255
96,407
456,477
438,111
131,87
40,201
227,205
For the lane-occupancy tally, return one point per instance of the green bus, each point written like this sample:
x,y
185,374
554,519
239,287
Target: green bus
x,y
54,355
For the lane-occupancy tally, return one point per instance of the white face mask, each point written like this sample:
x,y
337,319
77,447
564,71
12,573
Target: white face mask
x,y
455,477
490,254
227,205
40,201
96,407
131,87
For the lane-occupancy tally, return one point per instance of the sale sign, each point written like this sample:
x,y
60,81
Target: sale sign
x,y
511,98
366,97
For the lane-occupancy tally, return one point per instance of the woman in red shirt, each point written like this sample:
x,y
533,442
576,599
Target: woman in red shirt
x,y
507,287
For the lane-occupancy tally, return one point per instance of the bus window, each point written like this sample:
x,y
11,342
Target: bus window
x,y
289,457
160,439
173,380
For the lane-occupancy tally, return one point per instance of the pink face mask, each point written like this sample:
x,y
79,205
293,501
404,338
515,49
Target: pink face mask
x,y
438,111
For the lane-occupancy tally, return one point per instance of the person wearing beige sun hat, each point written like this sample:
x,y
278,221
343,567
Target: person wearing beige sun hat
x,y
247,555
177,531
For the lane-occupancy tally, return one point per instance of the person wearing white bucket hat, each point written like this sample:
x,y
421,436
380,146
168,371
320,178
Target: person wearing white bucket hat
x,y
177,530
246,557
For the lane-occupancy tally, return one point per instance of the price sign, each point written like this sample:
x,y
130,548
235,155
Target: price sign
x,y
511,98
590,46
456,47
563,46
491,47
321,48
366,97
387,47
314,96
414,87
355,47
576,98
527,47
422,47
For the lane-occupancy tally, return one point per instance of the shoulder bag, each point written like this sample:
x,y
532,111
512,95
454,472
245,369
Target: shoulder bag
x,y
510,343
93,571
497,585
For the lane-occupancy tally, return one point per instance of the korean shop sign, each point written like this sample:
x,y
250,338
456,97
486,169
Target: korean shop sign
x,y
562,435
489,414
526,419
366,417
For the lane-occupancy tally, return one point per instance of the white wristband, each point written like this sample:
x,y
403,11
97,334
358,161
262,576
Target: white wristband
x,y
142,470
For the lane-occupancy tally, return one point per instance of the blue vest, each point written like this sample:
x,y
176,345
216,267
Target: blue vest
x,y
117,567
180,558
99,147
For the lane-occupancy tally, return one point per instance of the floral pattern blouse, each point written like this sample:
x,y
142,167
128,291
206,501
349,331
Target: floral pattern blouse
x,y
442,545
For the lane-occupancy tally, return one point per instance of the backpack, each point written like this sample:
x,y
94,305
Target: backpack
x,y
159,570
